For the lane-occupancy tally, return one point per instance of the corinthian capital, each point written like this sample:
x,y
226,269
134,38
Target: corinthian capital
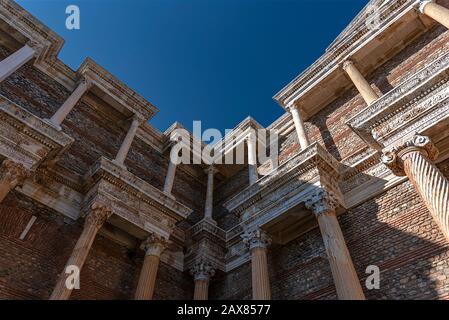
x,y
202,270
98,215
394,158
321,202
154,245
13,173
256,239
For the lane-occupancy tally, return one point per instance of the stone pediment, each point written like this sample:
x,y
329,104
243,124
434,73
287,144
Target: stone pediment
x,y
132,199
413,106
27,139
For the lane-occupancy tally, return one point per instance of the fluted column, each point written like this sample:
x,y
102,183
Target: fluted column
x,y
346,281
127,142
435,11
299,125
12,174
202,272
258,241
92,224
415,159
154,245
365,89
252,159
209,206
70,103
13,62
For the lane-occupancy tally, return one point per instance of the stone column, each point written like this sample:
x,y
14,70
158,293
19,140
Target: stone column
x,y
435,11
209,206
93,222
202,272
170,177
347,283
13,62
12,174
258,241
365,89
252,159
154,245
69,104
299,125
127,142
415,159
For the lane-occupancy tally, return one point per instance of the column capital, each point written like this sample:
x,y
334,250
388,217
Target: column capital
x,y
423,4
202,270
394,157
36,46
84,81
322,202
211,170
154,245
98,215
347,63
293,106
256,239
13,173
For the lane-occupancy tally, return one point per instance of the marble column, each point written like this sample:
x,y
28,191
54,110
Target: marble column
x,y
13,62
70,103
12,174
258,241
295,110
94,221
435,11
127,142
209,206
154,245
366,91
202,272
170,177
346,281
415,159
252,159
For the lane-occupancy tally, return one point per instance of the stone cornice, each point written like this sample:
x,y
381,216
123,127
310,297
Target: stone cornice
x,y
311,158
407,102
357,34
107,170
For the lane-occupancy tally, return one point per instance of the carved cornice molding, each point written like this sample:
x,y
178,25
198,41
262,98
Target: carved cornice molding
x,y
394,157
154,245
322,202
202,271
256,239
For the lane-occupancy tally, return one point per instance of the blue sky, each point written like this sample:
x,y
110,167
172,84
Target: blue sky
x,y
217,61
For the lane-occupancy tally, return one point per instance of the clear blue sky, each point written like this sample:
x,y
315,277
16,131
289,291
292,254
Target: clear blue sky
x,y
217,61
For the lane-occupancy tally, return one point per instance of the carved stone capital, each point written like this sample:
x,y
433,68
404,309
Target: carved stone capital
x,y
85,81
98,215
256,239
36,46
202,270
346,64
154,245
423,4
210,170
13,173
322,202
394,158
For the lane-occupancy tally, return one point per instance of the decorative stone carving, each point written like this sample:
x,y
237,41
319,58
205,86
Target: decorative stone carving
x,y
321,202
154,245
98,215
202,270
256,239
13,173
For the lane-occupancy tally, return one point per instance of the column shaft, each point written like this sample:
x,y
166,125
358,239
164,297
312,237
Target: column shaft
x,y
68,105
13,62
365,89
170,177
436,12
431,185
299,125
201,290
208,208
343,271
127,142
147,279
259,273
252,160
